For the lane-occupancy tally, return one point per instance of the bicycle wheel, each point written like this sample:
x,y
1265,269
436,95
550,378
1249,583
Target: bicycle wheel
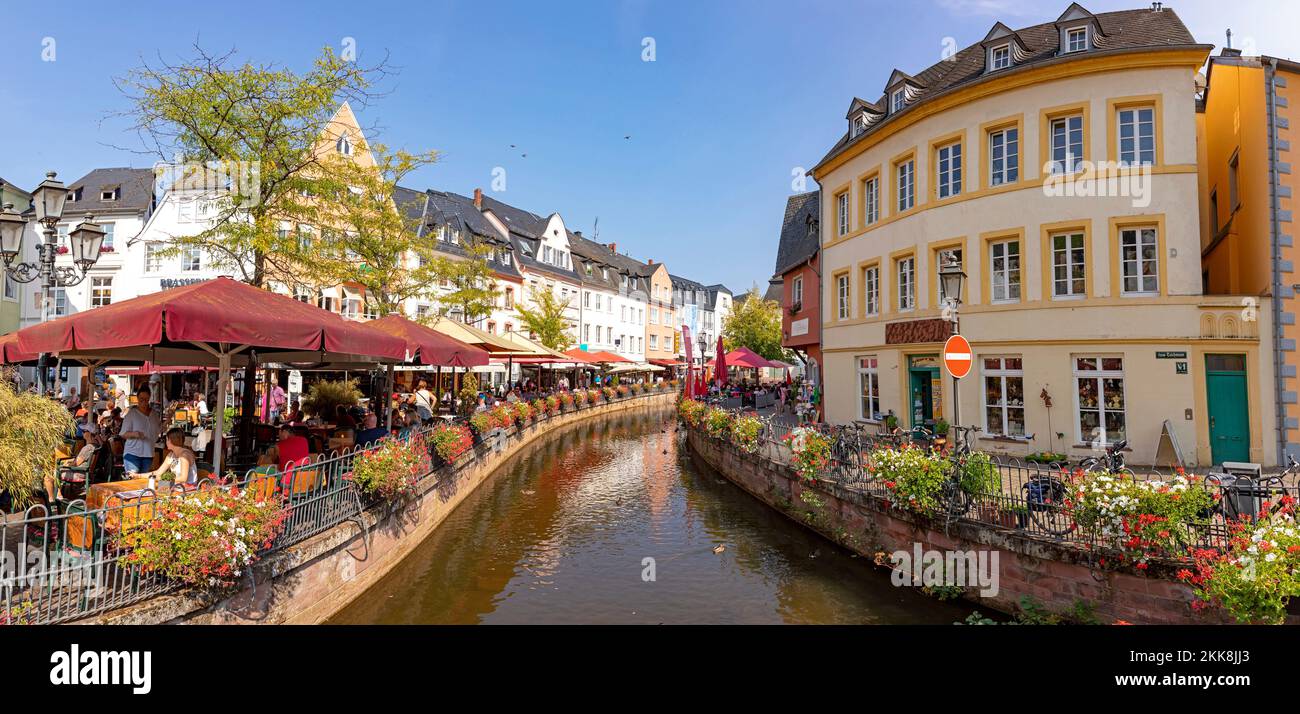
x,y
956,502
1045,497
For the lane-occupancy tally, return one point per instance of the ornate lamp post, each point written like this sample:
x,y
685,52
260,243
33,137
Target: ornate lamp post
x,y
85,243
951,278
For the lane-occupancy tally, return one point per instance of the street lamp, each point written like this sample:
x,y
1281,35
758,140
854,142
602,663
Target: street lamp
x,y
85,243
951,278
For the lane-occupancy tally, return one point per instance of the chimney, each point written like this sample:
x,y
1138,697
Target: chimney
x,y
650,261
478,198
613,247
578,233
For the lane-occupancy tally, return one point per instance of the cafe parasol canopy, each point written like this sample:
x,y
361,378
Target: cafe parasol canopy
x,y
218,322
431,347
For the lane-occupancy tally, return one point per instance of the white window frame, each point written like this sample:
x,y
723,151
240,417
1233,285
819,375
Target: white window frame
x,y
948,170
871,290
1136,263
843,297
60,296
905,272
191,259
871,200
11,288
1000,57
1008,153
1141,129
1071,267
796,291
1100,376
842,213
868,387
897,101
1071,34
1070,162
99,291
1000,266
906,184
1002,373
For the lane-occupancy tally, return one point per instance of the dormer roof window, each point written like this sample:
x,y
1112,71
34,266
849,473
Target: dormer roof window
x,y
111,193
859,125
897,100
902,88
1079,30
74,195
1003,48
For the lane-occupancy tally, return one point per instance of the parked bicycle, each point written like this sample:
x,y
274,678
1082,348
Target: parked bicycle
x,y
1112,462
956,495
1243,496
1045,494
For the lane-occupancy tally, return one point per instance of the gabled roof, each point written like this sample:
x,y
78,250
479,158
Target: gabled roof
x,y
799,235
14,187
1125,31
135,191
517,220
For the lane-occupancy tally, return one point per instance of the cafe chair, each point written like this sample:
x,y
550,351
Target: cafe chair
x,y
74,480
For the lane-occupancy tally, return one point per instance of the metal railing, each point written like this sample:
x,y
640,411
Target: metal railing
x,y
1030,497
58,567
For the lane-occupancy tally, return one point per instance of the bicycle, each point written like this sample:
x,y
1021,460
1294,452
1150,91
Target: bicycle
x,y
955,495
1112,462
1241,496
1045,495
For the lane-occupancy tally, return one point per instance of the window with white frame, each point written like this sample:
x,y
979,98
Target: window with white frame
x,y
906,185
1000,57
897,101
871,200
1137,136
868,388
1099,418
344,146
1004,396
654,316
654,342
871,290
1004,156
1076,40
1067,144
948,166
11,288
101,291
842,212
843,306
1069,271
108,236
796,291
60,302
191,258
906,283
1138,263
1004,270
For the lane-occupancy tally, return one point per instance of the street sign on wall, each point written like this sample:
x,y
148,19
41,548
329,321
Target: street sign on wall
x,y
957,356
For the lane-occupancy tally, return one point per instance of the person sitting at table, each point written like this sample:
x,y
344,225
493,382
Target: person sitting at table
x,y
481,406
181,462
292,448
371,432
140,428
295,413
343,418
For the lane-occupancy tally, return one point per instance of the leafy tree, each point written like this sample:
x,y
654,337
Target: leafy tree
x,y
547,320
472,286
260,123
755,323
364,238
31,426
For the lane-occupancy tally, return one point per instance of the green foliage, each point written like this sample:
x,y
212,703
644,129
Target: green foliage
x,y
324,397
979,475
1256,576
546,319
915,476
468,393
471,287
755,323
31,427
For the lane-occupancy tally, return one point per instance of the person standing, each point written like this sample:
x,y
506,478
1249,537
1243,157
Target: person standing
x,y
140,428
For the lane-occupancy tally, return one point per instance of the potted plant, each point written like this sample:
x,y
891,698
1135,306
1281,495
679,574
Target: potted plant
x,y
389,471
891,422
482,424
325,397
450,441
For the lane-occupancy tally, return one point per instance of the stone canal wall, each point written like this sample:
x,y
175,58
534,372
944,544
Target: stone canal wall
x,y
1053,575
310,581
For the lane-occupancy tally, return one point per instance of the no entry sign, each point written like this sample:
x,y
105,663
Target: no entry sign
x,y
957,356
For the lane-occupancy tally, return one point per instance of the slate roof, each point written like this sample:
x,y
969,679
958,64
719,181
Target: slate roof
x,y
136,194
1122,31
430,209
799,238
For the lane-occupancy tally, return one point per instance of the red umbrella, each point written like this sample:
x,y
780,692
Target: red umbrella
x,y
430,346
721,369
9,352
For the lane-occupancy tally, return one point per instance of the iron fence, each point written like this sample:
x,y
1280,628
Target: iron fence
x,y
58,567
1030,498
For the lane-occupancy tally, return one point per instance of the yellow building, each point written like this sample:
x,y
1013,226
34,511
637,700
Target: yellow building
x,y
1057,165
1247,184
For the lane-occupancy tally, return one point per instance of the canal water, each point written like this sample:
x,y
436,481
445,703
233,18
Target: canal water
x,y
562,533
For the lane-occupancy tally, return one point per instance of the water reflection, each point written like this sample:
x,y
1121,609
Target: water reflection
x,y
560,534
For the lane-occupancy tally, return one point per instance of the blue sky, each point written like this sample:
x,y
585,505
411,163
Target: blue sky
x,y
740,94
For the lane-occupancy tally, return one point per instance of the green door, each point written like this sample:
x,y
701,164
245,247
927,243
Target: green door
x,y
923,374
1225,389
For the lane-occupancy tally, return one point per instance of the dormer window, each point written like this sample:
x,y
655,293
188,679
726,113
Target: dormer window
x,y
109,194
1000,57
344,146
859,125
1076,39
74,195
897,101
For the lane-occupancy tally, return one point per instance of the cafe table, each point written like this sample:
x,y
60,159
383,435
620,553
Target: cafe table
x,y
128,502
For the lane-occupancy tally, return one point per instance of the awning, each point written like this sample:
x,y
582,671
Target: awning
x,y
151,368
599,357
743,357
635,367
429,346
537,349
9,352
473,336
668,363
